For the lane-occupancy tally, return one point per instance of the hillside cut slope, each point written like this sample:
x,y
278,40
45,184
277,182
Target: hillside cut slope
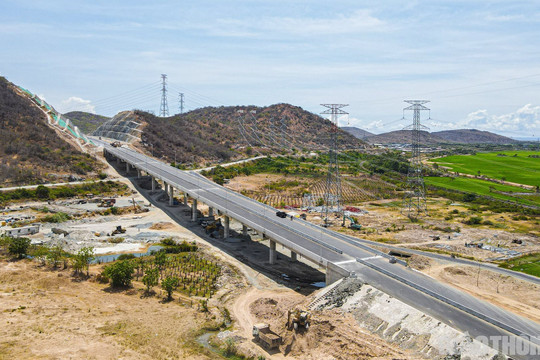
x,y
87,122
30,150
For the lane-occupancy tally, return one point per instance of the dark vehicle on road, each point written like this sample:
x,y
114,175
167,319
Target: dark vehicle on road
x,y
281,214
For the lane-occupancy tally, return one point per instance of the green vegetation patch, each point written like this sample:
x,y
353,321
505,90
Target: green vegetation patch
x,y
529,264
522,167
60,192
488,188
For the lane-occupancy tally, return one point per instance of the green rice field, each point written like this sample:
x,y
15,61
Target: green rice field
x,y
482,187
514,166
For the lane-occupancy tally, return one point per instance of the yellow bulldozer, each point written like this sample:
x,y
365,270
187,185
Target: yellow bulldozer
x,y
298,318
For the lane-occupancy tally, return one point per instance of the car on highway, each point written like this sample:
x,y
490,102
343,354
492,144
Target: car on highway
x,y
281,214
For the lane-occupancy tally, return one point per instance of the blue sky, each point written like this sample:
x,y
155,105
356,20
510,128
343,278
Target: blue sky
x,y
477,61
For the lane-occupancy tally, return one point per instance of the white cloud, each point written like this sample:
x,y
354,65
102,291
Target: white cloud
x,y
525,120
75,103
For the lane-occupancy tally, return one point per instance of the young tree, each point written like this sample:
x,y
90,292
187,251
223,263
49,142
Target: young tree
x,y
19,246
42,192
55,256
120,273
150,279
85,256
169,284
40,254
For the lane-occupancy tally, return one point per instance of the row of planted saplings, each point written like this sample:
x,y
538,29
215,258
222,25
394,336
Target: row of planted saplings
x,y
197,276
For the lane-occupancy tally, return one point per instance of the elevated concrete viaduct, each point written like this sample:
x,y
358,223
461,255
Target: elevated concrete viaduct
x,y
341,255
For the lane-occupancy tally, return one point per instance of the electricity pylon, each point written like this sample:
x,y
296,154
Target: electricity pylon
x,y
332,195
164,108
414,201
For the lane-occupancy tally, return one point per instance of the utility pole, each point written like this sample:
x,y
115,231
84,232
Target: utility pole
x,y
181,102
414,200
332,195
164,108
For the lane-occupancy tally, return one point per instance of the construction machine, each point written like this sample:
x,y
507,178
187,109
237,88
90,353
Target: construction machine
x,y
107,202
353,224
298,318
266,337
118,230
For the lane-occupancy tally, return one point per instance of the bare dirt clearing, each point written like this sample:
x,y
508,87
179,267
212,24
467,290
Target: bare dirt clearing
x,y
48,315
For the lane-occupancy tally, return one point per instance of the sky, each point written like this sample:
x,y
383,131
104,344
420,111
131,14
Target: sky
x,y
478,62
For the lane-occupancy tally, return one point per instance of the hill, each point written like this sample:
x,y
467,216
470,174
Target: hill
x,y
464,136
357,132
404,137
31,151
473,136
87,122
215,134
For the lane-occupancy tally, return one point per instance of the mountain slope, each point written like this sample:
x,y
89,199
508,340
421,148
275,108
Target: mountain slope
x,y
215,134
404,137
30,150
87,122
357,132
472,136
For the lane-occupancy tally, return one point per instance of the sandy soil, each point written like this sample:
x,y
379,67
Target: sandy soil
x,y
48,315
332,334
518,296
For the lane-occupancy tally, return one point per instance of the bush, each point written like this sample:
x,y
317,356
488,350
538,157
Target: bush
x,y
473,220
120,273
102,175
43,192
126,257
117,240
168,242
150,278
57,218
19,246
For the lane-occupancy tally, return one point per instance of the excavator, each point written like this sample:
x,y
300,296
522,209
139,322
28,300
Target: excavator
x,y
353,224
297,318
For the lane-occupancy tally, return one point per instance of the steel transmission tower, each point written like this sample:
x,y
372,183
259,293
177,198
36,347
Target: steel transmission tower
x,y
332,195
181,102
414,201
164,108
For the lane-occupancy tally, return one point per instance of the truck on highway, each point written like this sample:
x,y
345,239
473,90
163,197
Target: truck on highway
x,y
266,337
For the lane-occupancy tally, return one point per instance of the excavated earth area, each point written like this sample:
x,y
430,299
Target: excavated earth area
x,y
400,323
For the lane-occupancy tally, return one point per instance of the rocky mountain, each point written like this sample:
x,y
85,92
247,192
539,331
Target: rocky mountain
x,y
473,136
32,150
468,136
357,132
87,122
214,134
404,137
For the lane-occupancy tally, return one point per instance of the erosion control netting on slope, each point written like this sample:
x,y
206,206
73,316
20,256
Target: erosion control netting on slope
x,y
59,120
122,127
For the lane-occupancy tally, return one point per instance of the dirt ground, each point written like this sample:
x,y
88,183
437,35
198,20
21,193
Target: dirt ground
x,y
49,315
518,296
332,334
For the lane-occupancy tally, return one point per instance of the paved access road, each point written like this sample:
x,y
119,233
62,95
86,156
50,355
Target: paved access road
x,y
326,248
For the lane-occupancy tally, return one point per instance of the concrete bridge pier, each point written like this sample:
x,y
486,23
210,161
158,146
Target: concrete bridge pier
x,y
294,256
153,183
273,252
166,187
194,210
139,172
210,211
127,167
185,198
244,230
118,161
226,229
171,195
